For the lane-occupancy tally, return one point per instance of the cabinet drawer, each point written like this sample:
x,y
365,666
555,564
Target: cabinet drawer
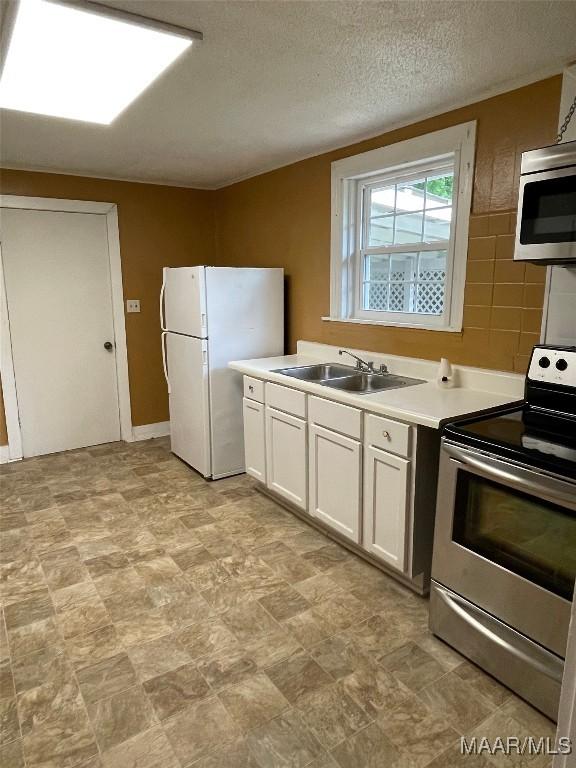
x,y
286,399
254,389
388,435
340,418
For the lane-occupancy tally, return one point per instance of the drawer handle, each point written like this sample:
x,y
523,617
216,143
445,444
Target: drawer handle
x,y
251,388
386,435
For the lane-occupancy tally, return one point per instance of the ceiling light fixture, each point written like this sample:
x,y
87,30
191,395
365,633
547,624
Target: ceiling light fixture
x,y
83,60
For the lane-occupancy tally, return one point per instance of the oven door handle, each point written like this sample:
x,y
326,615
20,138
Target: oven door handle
x,y
552,670
526,480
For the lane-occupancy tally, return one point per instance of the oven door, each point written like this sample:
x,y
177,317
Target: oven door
x,y
505,539
546,224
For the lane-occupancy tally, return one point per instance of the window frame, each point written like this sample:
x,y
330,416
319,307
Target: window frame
x,y
401,161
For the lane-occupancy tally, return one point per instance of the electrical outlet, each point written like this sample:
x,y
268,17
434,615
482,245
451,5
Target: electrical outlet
x,y
132,305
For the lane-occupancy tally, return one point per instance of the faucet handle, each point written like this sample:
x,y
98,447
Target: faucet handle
x,y
383,368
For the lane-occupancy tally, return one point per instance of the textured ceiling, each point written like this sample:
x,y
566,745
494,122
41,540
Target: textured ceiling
x,y
274,82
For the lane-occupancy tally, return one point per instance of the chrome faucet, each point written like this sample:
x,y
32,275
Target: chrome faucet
x,y
362,365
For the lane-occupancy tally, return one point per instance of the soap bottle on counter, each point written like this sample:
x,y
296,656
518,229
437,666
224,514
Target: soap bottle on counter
x,y
445,377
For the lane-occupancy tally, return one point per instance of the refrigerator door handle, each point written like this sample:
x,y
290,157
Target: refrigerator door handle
x,y
164,365
162,290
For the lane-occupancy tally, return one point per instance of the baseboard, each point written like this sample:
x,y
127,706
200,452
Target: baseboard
x,y
5,454
148,431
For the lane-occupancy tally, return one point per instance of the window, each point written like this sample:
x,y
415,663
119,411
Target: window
x,y
400,231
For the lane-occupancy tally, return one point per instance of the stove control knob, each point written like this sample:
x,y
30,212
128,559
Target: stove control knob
x,y
561,364
544,362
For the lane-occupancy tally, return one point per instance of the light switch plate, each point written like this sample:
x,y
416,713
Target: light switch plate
x,y
132,305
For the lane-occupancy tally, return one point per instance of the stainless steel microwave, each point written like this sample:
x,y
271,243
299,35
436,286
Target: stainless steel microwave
x,y
546,224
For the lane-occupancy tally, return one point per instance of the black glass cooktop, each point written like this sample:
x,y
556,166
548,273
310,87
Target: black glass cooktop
x,y
532,438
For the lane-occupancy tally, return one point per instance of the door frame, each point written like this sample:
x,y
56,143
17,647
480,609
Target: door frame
x,y
110,211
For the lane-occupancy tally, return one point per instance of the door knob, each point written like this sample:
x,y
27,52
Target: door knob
x,y
108,345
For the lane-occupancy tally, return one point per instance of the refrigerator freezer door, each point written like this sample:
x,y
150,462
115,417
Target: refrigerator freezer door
x,y
184,294
189,400
246,320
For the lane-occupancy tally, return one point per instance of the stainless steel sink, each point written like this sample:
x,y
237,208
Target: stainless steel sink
x,y
368,383
319,373
347,378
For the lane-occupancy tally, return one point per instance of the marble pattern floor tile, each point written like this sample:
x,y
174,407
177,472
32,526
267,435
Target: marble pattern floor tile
x,y
106,678
152,619
11,755
158,656
254,701
369,748
175,690
121,716
298,676
200,729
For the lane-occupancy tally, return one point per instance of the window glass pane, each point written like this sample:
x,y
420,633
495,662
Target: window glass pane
x,y
432,266
411,195
376,296
408,228
376,278
439,190
377,267
410,201
381,205
403,266
412,211
437,224
412,282
381,230
431,283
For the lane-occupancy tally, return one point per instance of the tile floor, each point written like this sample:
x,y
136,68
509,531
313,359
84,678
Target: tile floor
x,y
155,620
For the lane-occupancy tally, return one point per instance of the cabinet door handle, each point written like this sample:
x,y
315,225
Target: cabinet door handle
x,y
386,434
250,388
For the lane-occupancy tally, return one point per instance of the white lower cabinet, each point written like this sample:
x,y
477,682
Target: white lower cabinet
x,y
287,456
335,480
386,505
254,439
351,470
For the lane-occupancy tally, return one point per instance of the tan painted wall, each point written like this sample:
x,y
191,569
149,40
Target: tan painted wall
x,y
159,226
282,219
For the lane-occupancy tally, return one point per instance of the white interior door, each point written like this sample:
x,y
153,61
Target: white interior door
x,y
57,280
187,365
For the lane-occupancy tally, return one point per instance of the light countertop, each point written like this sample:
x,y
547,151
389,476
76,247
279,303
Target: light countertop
x,y
425,404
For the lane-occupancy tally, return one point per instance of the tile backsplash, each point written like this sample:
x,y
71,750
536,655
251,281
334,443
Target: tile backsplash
x,y
502,296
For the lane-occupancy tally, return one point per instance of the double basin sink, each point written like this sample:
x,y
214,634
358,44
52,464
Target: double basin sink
x,y
347,378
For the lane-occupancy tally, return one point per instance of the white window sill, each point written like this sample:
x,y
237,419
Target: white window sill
x,y
357,321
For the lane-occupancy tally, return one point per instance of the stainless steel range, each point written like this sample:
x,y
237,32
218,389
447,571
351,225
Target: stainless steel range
x,y
504,558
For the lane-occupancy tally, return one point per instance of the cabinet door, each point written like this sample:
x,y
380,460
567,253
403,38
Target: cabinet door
x,y
254,439
287,456
386,497
335,485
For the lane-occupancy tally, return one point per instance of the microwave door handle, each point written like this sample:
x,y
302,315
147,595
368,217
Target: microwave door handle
x,y
528,481
164,361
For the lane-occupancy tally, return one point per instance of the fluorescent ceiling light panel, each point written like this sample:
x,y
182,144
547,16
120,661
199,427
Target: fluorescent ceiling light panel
x,y
68,62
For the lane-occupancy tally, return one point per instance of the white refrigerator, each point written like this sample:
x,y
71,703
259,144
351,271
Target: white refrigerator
x,y
210,316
